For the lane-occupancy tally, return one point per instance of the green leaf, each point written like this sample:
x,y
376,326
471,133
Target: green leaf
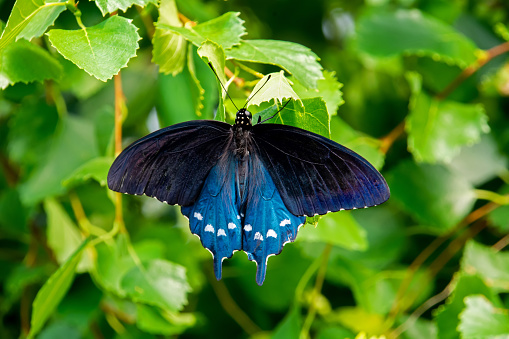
x,y
296,59
443,200
358,320
487,263
96,169
437,130
110,6
481,320
53,291
413,32
30,19
155,321
214,54
446,316
338,229
25,62
13,215
290,326
73,145
329,88
170,48
160,283
225,30
101,50
277,88
63,235
312,116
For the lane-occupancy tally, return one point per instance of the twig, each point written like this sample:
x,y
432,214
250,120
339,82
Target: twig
x,y
231,307
320,277
238,81
470,70
387,141
499,245
119,108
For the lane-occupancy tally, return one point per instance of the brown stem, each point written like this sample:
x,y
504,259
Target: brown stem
x,y
186,20
119,108
231,307
470,70
499,246
11,173
387,141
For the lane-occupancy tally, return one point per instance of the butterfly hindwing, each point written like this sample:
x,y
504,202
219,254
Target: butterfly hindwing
x,y
214,216
315,175
268,224
171,164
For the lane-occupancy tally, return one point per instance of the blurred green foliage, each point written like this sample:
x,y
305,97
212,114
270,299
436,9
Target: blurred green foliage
x,y
418,87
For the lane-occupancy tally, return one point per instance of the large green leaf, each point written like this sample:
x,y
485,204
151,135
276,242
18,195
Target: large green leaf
x,y
338,229
481,319
170,48
160,283
385,34
96,169
329,88
290,326
312,116
446,316
101,50
73,145
489,264
23,61
225,30
29,19
53,291
276,88
296,59
438,129
443,198
110,6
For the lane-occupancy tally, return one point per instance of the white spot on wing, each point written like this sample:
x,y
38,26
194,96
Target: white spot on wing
x,y
209,228
231,226
271,233
258,236
198,216
248,228
221,232
238,217
285,222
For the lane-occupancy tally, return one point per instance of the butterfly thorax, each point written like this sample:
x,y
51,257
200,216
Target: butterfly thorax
x,y
242,133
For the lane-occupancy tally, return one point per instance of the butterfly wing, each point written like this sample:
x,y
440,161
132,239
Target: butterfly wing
x,y
214,217
172,163
315,175
268,225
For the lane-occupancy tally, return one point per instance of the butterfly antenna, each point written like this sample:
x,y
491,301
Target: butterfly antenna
x,y
213,70
259,89
282,108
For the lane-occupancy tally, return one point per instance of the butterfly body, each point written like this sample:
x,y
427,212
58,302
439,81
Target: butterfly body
x,y
246,187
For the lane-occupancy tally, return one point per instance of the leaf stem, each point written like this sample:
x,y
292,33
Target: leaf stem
x,y
231,307
119,109
492,196
387,141
320,277
247,69
85,225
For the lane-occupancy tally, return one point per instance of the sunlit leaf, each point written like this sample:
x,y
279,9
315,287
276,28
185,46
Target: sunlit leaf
x,y
385,34
290,326
443,199
329,88
276,88
438,129
23,61
110,6
101,50
296,59
53,291
213,53
487,263
160,283
170,48
338,229
481,319
29,19
225,30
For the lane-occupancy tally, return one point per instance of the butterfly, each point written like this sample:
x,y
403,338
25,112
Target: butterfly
x,y
246,187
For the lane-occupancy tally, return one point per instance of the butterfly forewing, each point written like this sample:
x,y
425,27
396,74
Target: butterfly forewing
x,y
171,164
315,175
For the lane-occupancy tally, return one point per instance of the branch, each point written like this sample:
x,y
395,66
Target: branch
x,y
119,108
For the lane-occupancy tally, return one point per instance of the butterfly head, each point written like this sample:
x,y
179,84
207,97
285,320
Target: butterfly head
x,y
243,118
